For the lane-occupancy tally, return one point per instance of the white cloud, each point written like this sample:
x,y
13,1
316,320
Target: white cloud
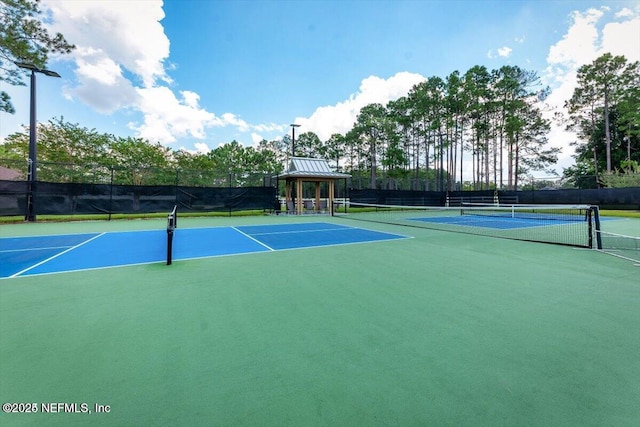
x,y
340,118
101,83
92,64
256,138
191,99
202,147
269,127
233,120
504,51
624,13
579,45
198,148
622,38
166,118
129,33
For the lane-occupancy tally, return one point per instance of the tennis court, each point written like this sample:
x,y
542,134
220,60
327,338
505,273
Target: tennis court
x,y
280,320
21,256
489,222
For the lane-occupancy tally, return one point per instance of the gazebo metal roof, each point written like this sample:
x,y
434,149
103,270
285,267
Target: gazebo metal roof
x,y
304,167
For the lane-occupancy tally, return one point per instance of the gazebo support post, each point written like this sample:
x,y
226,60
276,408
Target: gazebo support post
x,y
331,196
287,194
299,202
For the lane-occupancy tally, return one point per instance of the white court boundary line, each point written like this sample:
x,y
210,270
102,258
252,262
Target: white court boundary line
x,y
255,240
32,249
55,256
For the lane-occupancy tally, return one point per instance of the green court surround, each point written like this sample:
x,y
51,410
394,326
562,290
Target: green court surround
x,y
441,329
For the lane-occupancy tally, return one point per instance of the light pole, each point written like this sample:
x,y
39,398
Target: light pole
x,y
293,154
31,215
293,138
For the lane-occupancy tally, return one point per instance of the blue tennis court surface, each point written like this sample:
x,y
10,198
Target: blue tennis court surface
x,y
22,256
497,222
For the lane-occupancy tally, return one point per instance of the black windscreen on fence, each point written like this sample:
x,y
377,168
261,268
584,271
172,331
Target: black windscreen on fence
x,y
13,197
398,197
69,199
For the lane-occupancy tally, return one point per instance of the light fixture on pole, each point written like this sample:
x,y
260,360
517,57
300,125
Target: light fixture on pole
x,y
31,215
293,138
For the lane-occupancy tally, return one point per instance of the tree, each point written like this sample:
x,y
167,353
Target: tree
x,y
353,152
275,153
601,85
68,152
373,126
403,150
428,112
394,159
194,169
580,175
530,136
477,82
335,148
457,102
610,114
513,97
23,38
228,161
137,162
629,116
308,144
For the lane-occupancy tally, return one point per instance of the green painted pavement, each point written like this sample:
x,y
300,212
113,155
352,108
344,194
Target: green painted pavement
x,y
442,329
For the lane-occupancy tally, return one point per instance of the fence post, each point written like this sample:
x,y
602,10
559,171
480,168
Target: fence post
x,y
176,184
111,194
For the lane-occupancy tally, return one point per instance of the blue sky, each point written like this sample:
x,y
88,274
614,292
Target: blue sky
x,y
197,73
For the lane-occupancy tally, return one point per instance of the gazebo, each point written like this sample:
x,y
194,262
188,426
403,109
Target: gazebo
x,y
303,169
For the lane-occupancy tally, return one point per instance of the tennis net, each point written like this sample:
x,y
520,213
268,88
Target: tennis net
x,y
571,225
625,247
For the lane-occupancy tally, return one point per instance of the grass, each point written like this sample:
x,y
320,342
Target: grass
x,y
103,217
620,213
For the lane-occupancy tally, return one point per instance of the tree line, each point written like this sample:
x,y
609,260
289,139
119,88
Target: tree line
x,y
488,121
68,152
484,120
484,124
604,111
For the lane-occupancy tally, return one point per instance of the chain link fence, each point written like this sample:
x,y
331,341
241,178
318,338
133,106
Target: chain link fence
x,y
17,170
69,189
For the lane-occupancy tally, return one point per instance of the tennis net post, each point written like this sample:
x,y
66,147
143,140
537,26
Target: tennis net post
x,y
594,221
172,224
